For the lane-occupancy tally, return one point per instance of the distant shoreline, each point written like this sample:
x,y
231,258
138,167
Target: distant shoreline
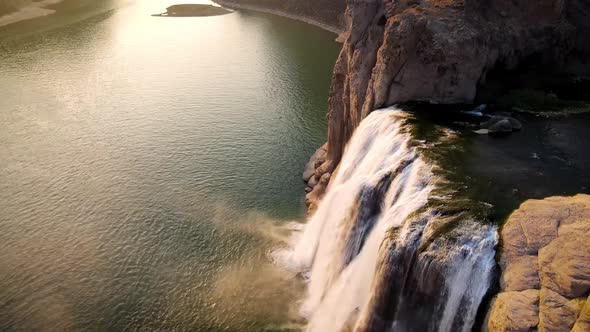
x,y
33,10
277,12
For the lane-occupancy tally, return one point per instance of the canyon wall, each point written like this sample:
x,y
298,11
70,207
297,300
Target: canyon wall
x,y
439,51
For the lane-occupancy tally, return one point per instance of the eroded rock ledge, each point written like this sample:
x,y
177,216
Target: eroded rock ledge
x,y
545,262
440,50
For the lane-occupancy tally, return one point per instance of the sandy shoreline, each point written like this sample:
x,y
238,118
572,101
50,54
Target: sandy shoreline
x,y
304,19
34,10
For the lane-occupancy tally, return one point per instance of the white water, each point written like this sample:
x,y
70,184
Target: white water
x,y
341,252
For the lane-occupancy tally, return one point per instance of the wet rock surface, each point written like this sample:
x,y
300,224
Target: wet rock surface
x,y
545,262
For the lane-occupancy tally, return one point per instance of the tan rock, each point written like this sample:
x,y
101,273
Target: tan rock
x,y
314,162
546,245
520,274
539,222
313,182
556,313
583,322
313,198
325,167
565,265
515,312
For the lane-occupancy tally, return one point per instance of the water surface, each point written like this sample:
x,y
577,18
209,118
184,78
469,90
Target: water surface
x,y
147,164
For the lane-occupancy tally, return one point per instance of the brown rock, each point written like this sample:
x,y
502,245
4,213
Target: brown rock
x,y
439,51
556,313
313,182
313,198
521,273
515,311
326,167
565,265
318,158
583,322
545,245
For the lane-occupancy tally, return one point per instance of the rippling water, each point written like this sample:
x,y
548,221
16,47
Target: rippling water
x,y
148,164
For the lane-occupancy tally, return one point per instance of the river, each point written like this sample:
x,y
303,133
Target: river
x,y
149,164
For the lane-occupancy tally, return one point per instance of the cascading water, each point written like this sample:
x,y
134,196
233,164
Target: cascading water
x,y
382,252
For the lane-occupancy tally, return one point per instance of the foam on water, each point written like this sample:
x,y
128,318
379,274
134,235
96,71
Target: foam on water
x,y
373,214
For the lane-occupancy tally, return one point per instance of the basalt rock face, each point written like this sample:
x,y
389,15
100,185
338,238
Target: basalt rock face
x,y
440,50
545,264
326,12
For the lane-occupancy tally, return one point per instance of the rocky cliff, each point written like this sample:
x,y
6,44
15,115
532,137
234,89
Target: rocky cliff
x,y
441,50
328,14
545,262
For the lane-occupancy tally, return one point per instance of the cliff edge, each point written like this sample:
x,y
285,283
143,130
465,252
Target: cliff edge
x,y
439,51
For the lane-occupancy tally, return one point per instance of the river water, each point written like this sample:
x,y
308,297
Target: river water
x,y
149,164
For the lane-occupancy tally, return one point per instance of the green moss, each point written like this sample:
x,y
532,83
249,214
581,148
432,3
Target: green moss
x,y
443,229
392,233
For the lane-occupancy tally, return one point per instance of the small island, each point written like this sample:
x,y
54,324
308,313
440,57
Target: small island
x,y
193,10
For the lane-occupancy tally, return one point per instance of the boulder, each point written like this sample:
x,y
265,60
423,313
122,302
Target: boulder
x,y
516,125
583,322
521,273
556,313
565,265
313,198
326,167
500,127
317,159
313,181
546,250
515,312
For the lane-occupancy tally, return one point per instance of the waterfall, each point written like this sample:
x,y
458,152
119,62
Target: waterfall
x,y
386,250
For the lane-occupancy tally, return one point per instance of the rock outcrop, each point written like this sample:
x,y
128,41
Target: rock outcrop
x,y
327,14
317,175
440,50
545,262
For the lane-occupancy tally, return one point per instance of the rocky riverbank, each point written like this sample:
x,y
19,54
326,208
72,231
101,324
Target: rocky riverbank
x,y
325,14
